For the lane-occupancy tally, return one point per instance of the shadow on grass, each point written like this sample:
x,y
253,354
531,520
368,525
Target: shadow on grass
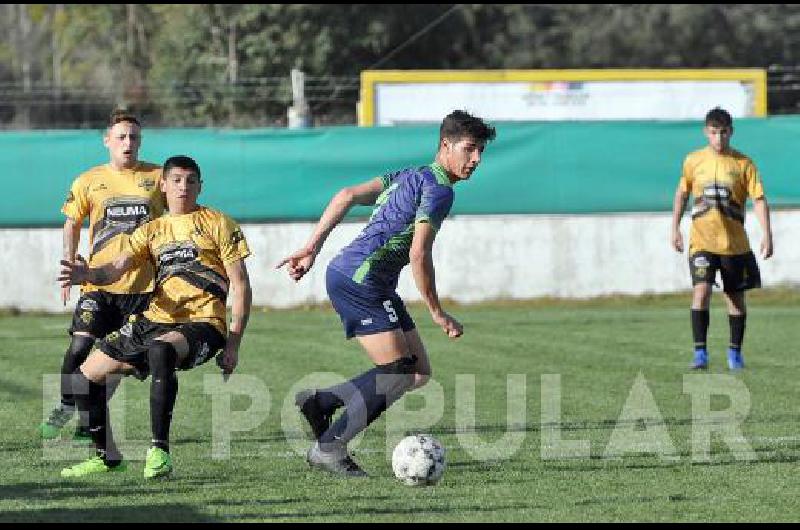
x,y
418,512
636,499
16,391
36,493
608,424
576,425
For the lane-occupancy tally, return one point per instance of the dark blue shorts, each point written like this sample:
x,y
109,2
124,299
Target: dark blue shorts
x,y
365,310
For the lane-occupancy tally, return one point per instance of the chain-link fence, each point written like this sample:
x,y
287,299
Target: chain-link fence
x,y
255,102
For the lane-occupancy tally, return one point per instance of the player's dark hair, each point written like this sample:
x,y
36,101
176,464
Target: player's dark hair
x,y
182,162
122,115
459,124
718,117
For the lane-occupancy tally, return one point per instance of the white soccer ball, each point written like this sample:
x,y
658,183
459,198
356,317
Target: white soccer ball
x,y
418,460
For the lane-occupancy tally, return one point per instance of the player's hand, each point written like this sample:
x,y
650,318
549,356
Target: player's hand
x,y
766,247
299,263
449,325
228,360
73,272
677,240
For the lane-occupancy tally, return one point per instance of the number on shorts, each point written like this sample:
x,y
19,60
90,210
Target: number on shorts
x,y
387,305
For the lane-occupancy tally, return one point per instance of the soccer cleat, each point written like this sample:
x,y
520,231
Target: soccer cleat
x,y
337,462
157,464
58,418
91,467
735,359
700,361
319,422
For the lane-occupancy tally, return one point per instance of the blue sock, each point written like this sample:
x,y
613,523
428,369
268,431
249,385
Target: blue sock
x,y
378,388
333,397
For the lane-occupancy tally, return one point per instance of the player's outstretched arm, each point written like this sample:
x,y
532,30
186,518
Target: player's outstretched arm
x,y
241,300
301,261
761,209
72,235
78,271
421,257
678,206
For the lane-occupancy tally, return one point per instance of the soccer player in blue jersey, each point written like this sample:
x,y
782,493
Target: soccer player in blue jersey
x,y
410,206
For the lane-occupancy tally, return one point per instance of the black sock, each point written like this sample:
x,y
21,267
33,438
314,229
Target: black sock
x,y
737,324
378,389
700,318
163,391
78,351
94,403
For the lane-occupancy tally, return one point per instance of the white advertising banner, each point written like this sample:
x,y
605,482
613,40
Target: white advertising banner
x,y
427,102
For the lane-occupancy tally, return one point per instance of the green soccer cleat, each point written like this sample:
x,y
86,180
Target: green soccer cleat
x,y
157,464
58,418
91,467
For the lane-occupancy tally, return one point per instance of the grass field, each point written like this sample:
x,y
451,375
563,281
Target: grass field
x,y
598,348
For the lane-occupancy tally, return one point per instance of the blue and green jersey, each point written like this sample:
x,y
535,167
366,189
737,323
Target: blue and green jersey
x,y
381,250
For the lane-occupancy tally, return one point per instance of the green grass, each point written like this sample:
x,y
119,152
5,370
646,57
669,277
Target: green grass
x,y
598,347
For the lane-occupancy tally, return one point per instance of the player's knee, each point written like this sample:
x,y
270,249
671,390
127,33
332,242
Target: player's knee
x,y
701,296
79,349
161,357
401,374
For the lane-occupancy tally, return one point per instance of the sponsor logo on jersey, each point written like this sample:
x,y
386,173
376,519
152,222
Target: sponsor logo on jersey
x,y
715,191
126,213
366,322
99,187
147,184
183,252
89,305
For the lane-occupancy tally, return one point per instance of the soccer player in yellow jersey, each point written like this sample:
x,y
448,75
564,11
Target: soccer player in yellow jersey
x,y
720,179
198,254
117,197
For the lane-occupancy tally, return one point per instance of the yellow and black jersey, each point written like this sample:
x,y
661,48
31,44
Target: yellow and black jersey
x,y
719,185
190,252
117,202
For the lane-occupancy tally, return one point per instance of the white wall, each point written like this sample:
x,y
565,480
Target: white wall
x,y
477,258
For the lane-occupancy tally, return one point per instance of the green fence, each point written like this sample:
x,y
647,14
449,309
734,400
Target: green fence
x,y
273,175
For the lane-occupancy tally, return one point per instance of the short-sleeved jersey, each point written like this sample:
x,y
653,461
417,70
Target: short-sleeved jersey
x,y
381,250
189,252
719,185
116,201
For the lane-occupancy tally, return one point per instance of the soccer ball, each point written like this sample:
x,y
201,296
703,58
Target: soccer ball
x,y
418,460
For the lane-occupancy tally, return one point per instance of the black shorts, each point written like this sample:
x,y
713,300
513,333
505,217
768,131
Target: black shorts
x,y
99,313
739,272
130,343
